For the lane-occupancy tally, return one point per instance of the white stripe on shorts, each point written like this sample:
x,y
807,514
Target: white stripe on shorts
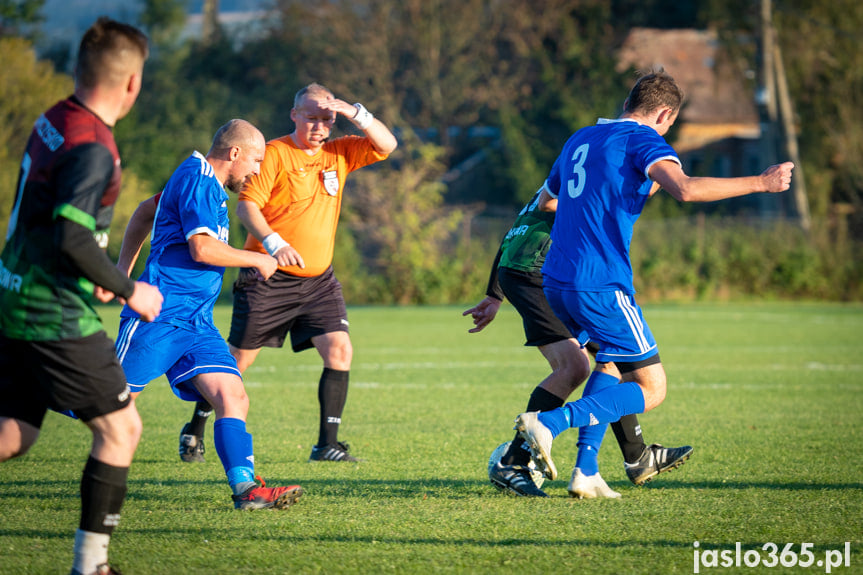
x,y
633,319
124,339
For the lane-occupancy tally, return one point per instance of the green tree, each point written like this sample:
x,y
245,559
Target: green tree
x,y
163,20
18,16
825,74
27,88
404,233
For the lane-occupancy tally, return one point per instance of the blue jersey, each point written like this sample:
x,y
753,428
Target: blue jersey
x,y
193,202
601,182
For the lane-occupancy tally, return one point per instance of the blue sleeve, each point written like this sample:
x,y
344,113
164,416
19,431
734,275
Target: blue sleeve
x,y
198,212
552,183
646,148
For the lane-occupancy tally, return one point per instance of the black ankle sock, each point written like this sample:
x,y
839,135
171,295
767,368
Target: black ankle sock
x,y
203,410
332,395
628,434
540,400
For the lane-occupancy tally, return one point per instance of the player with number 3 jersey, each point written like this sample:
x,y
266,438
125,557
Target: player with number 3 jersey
x,y
602,179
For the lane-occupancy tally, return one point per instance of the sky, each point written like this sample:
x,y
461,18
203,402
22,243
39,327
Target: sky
x,y
66,20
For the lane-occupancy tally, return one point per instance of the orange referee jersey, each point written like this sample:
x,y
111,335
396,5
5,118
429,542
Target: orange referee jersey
x,y
301,195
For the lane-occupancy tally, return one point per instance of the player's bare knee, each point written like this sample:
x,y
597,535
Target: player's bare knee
x,y
135,428
235,400
339,357
8,450
127,427
16,438
573,373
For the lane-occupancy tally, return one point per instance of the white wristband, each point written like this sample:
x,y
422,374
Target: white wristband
x,y
273,243
363,119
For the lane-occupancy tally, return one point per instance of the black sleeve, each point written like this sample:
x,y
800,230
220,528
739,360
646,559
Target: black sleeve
x,y
493,289
78,245
81,177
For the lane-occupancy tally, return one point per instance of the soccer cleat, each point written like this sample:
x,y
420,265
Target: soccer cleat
x,y
264,497
333,452
516,479
191,446
103,569
590,486
538,436
655,460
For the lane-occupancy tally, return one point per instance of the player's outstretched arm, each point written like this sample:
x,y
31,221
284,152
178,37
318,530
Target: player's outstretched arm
x,y
670,176
483,313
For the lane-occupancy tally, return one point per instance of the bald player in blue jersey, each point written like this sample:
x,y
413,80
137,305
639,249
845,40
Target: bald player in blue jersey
x,y
602,179
188,254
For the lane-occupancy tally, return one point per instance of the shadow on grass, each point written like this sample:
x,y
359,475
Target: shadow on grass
x,y
197,533
720,485
142,489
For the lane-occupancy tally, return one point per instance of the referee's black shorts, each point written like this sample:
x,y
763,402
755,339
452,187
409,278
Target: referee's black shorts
x,y
81,375
524,292
265,311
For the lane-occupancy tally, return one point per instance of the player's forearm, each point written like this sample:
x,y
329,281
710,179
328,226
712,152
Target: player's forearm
x,y
713,189
381,138
139,227
205,249
78,247
253,219
684,188
493,288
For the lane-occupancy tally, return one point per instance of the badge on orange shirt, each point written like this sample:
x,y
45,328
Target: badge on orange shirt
x,y
331,182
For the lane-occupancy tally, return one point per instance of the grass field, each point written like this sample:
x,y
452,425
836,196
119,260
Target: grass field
x,y
770,395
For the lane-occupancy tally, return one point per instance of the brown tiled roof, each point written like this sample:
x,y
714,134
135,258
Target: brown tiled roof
x,y
716,93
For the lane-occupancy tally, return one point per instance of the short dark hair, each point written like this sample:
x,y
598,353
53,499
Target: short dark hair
x,y
653,91
105,51
314,88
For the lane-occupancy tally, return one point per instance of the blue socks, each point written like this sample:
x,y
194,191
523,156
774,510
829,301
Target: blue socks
x,y
606,406
234,446
590,437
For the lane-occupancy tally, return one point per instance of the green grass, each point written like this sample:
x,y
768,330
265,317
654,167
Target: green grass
x,y
768,394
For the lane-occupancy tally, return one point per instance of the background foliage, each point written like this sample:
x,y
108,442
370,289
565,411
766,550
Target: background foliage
x,y
462,83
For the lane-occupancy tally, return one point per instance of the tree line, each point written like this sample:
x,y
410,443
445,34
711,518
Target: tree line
x,y
504,82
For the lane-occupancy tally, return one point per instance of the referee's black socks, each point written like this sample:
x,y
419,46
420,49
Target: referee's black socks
x,y
332,396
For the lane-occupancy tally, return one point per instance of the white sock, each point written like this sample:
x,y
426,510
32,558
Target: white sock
x,y
91,550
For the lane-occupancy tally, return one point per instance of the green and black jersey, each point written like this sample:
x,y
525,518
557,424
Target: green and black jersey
x,y
525,245
69,181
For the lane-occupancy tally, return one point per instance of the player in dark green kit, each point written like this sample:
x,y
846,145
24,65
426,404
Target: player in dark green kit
x,y
53,351
517,275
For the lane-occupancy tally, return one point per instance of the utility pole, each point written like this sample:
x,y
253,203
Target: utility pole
x,y
766,100
774,86
786,112
210,22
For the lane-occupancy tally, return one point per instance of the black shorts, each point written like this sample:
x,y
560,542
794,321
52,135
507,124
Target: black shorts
x,y
265,311
524,292
81,375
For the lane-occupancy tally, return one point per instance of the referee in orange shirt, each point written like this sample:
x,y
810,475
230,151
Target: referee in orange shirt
x,y
291,210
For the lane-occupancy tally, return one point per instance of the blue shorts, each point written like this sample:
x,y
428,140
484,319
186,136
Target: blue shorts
x,y
150,350
611,319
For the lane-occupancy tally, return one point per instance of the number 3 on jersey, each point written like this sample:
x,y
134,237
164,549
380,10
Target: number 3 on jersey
x,y
575,185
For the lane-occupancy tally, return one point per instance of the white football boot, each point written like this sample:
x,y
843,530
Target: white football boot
x,y
538,436
593,486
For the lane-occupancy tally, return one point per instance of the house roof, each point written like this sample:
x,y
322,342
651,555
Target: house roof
x,y
719,104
